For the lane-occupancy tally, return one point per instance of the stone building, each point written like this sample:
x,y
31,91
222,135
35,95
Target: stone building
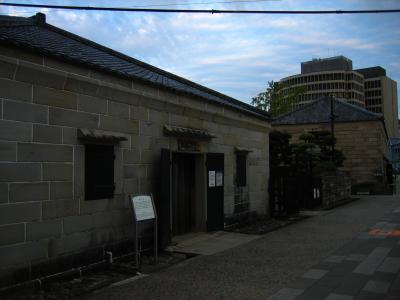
x,y
83,126
361,136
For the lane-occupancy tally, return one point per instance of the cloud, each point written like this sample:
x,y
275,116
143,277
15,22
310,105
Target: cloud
x,y
321,39
238,54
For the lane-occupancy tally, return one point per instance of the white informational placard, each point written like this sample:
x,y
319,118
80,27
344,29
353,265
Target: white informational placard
x,y
211,178
143,208
219,178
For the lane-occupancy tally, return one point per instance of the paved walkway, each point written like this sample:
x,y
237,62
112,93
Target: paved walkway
x,y
281,263
366,268
208,243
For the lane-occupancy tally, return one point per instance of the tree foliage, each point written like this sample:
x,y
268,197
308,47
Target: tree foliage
x,y
274,101
313,152
280,150
321,142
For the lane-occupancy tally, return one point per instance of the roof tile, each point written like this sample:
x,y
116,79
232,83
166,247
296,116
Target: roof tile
x,y
319,112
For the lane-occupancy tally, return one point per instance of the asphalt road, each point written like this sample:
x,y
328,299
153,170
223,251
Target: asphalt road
x,y
260,268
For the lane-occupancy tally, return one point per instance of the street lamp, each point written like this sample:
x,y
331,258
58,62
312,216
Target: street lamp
x,y
332,117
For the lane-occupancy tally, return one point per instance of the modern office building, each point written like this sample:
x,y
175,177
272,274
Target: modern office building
x,y
329,76
368,87
381,96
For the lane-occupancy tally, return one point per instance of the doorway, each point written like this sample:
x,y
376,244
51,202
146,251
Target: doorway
x,y
188,198
191,194
215,191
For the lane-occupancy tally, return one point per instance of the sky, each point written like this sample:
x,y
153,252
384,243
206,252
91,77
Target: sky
x,y
236,54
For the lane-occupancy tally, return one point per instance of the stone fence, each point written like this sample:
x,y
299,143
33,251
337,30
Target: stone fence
x,y
335,188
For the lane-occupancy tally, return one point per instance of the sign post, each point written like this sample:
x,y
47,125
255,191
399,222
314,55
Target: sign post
x,y
144,212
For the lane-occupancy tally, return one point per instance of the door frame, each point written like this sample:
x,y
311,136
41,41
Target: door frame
x,y
200,159
202,156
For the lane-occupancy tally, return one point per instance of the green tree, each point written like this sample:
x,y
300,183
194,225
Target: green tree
x,y
279,150
318,145
313,152
274,101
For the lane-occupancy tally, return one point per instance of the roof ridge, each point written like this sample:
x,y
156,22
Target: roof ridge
x,y
16,21
359,108
350,108
300,108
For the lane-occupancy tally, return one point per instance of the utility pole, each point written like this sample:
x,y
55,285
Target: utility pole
x,y
332,117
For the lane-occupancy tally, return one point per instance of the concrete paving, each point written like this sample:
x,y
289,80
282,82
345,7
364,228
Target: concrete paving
x,y
202,243
374,275
288,263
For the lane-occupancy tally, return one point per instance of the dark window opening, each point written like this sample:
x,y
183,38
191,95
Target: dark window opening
x,y
241,179
99,171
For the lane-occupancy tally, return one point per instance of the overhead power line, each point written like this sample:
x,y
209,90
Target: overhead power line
x,y
205,3
209,11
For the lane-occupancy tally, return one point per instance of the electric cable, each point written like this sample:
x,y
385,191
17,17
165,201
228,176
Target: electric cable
x,y
209,11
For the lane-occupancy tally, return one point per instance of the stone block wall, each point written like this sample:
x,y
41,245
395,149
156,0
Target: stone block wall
x,y
44,217
363,144
336,188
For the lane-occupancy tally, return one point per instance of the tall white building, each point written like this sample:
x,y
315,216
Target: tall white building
x,y
381,96
329,76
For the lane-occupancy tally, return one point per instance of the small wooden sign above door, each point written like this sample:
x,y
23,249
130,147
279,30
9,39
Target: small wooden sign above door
x,y
189,145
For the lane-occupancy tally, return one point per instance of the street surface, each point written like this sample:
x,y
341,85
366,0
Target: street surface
x,y
262,267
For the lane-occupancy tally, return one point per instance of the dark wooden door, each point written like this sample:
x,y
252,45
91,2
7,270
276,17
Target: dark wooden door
x,y
215,191
164,201
183,193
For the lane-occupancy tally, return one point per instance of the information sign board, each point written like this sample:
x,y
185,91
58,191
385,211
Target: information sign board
x,y
219,178
211,178
143,208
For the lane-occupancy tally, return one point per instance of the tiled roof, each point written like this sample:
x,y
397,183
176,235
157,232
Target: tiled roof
x,y
88,134
395,141
35,34
319,111
187,132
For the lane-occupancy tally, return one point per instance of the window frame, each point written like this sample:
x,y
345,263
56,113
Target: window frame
x,y
99,171
241,169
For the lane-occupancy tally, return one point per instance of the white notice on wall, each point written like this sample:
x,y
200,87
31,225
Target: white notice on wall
x,y
211,178
219,178
143,207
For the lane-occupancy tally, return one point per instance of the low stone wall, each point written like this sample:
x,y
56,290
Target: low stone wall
x,y
336,188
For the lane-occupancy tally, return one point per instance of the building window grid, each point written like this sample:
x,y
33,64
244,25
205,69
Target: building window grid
x,y
349,85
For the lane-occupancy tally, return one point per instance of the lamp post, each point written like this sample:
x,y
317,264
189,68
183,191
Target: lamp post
x,y
332,117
